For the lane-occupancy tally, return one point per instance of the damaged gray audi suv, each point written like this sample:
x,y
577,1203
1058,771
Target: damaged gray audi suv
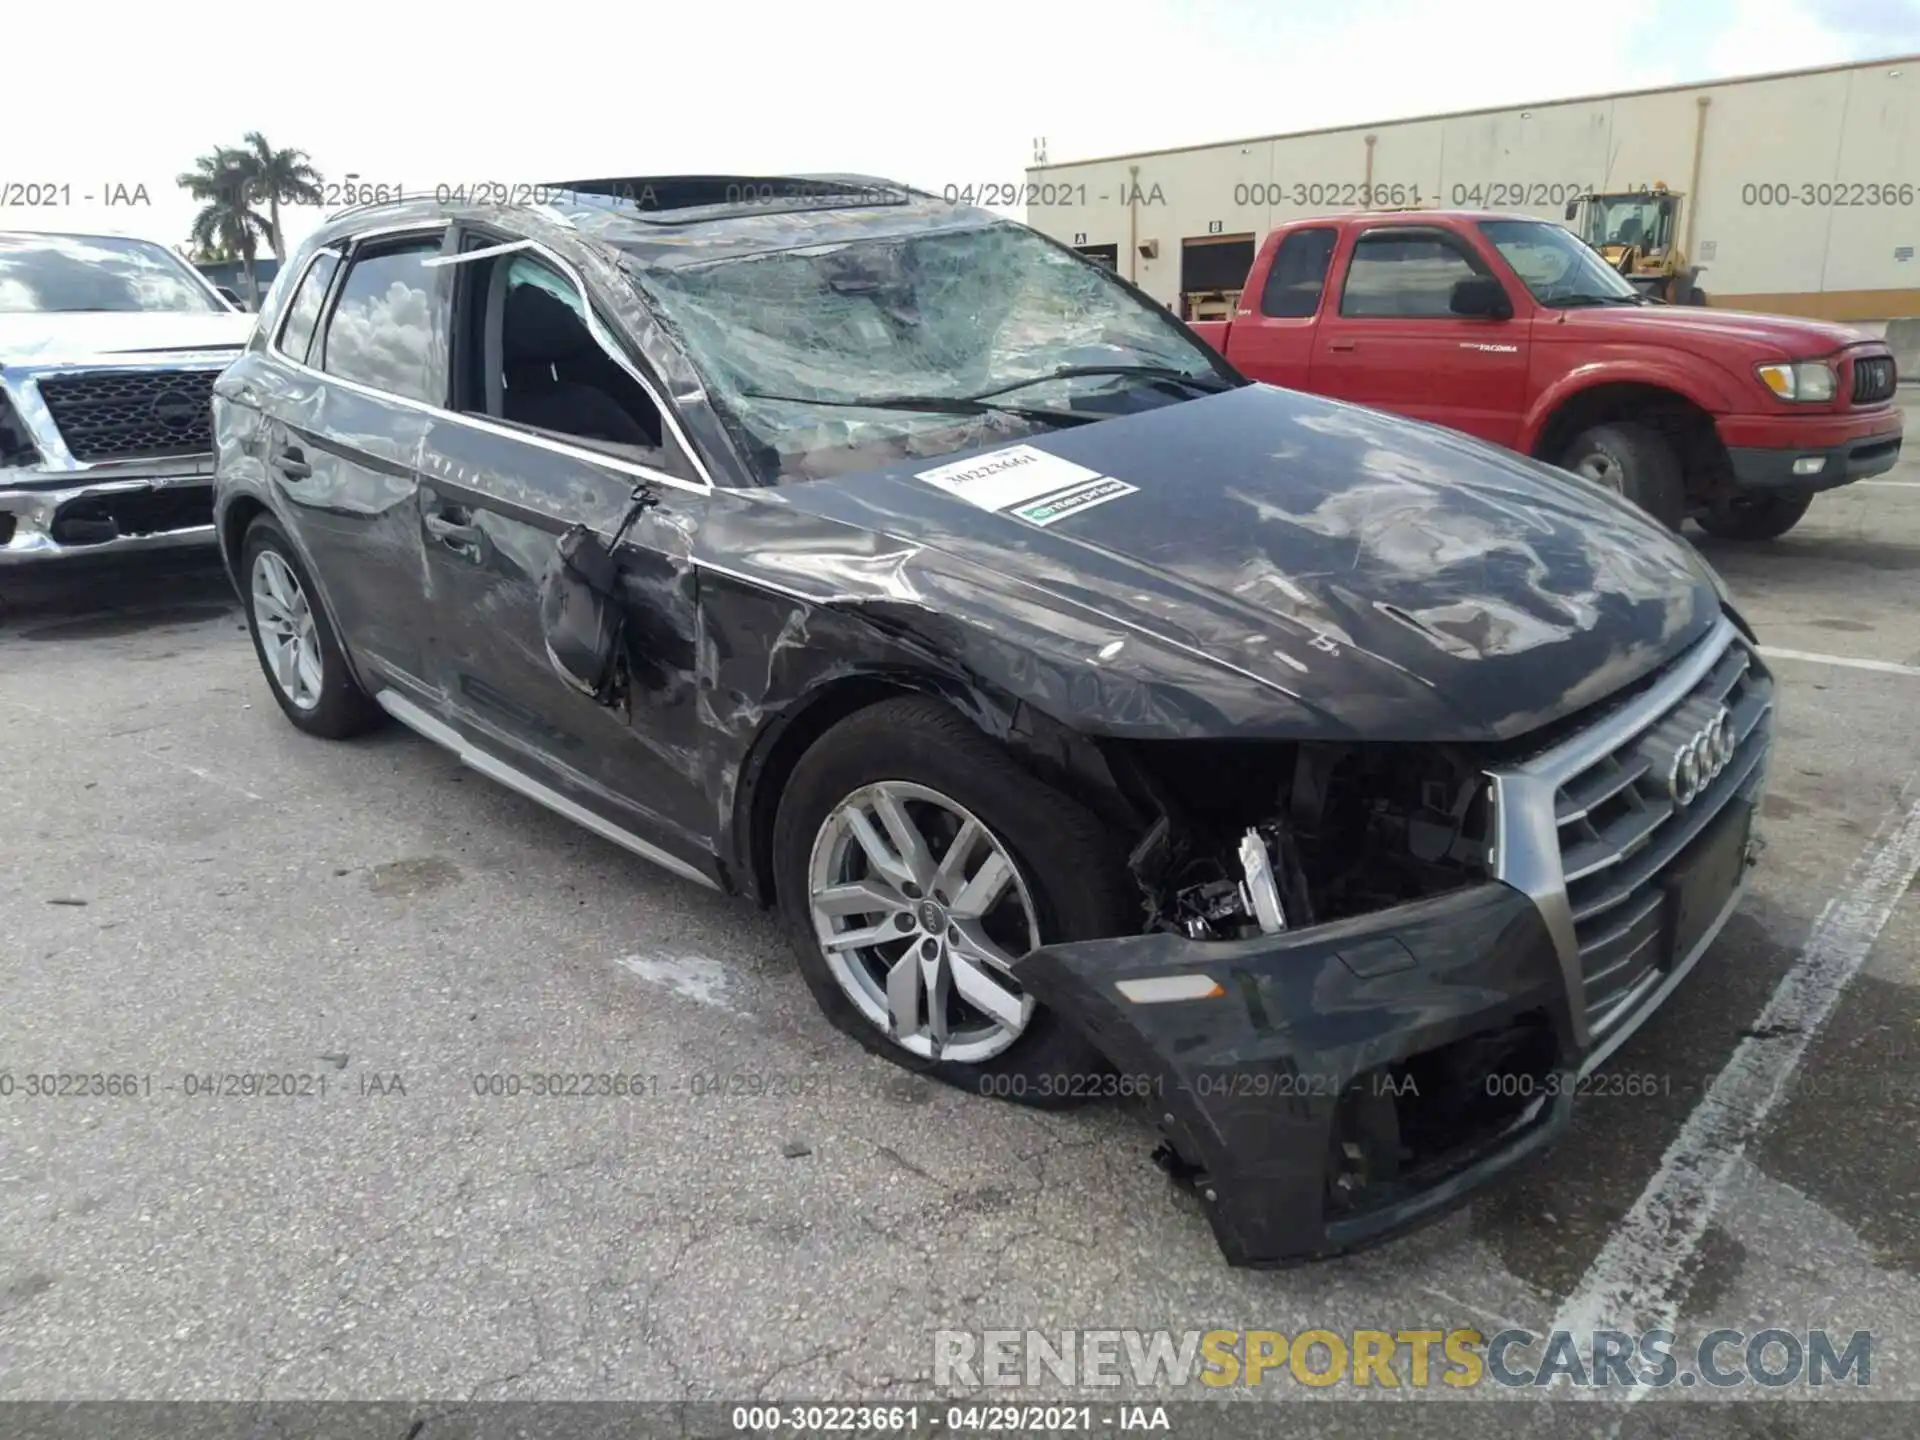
x,y
1099,722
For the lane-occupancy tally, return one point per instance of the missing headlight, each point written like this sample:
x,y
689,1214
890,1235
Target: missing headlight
x,y
1259,839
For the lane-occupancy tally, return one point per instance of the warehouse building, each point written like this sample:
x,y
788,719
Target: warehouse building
x,y
1797,193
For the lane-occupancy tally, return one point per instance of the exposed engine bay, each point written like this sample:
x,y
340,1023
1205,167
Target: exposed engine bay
x,y
1265,838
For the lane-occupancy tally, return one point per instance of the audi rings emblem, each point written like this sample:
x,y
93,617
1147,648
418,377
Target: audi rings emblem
x,y
1701,757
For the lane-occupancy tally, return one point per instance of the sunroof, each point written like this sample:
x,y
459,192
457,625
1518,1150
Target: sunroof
x,y
663,199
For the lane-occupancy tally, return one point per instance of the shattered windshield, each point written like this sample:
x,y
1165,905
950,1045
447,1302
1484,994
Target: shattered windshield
x,y
851,356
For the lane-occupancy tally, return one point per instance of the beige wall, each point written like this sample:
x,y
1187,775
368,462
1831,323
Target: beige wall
x,y
1845,127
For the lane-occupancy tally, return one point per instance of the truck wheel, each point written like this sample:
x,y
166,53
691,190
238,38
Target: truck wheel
x,y
1755,517
1637,461
914,861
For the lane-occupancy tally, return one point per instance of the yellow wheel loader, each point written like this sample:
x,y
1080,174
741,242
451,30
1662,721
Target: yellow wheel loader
x,y
1638,232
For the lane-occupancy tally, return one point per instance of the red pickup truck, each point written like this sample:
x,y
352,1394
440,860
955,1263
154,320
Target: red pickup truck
x,y
1513,330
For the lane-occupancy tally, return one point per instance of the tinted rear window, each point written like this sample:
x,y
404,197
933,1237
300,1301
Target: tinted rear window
x,y
1298,275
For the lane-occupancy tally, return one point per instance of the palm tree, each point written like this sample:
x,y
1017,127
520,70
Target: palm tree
x,y
279,177
224,183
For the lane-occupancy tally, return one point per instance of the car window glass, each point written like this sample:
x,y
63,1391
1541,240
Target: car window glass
x,y
303,311
47,273
1298,273
381,331
1409,275
525,270
550,372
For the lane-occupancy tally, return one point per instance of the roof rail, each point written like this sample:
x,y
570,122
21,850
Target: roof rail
x,y
673,192
401,199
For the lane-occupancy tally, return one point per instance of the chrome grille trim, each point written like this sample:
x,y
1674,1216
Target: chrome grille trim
x,y
108,412
1581,828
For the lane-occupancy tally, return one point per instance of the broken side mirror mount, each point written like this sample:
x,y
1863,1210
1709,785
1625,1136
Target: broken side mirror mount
x,y
582,609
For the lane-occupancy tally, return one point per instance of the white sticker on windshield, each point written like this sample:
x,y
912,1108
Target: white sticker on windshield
x,y
1002,479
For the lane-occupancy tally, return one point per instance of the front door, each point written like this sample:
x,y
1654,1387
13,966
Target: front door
x,y
547,430
1393,342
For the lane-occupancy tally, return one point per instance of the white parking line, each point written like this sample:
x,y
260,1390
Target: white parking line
x,y
1892,484
1634,1284
1852,662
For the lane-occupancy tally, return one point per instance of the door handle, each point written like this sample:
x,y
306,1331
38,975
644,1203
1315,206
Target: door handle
x,y
451,528
1343,345
291,463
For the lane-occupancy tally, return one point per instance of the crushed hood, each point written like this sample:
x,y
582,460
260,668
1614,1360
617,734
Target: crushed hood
x,y
1339,571
42,337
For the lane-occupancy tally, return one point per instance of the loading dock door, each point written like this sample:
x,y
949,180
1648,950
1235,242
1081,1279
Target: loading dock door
x,y
1107,255
1213,269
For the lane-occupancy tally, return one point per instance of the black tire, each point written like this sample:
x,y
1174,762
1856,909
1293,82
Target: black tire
x,y
1642,460
1075,875
344,709
1755,517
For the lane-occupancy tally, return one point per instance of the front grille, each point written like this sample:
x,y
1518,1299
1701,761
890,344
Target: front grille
x,y
1618,826
1873,380
130,414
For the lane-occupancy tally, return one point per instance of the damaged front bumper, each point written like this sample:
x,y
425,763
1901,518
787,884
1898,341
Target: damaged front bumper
x,y
1328,1087
146,479
1287,1071
108,510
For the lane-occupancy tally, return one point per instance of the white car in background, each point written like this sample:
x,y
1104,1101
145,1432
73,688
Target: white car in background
x,y
108,351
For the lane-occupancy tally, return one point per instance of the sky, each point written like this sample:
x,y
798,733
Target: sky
x,y
403,93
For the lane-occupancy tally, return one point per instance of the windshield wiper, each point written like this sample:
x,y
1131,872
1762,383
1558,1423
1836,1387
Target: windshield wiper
x,y
1166,374
939,405
1561,301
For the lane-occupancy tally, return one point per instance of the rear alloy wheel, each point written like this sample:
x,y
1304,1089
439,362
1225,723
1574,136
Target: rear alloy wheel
x,y
1755,517
288,636
295,642
915,862
1636,461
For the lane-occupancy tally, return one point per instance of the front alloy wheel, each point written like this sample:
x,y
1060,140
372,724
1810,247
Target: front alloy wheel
x,y
287,631
917,864
921,911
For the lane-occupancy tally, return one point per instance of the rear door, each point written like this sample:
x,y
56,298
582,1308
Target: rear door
x,y
1272,335
345,433
1390,339
546,428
